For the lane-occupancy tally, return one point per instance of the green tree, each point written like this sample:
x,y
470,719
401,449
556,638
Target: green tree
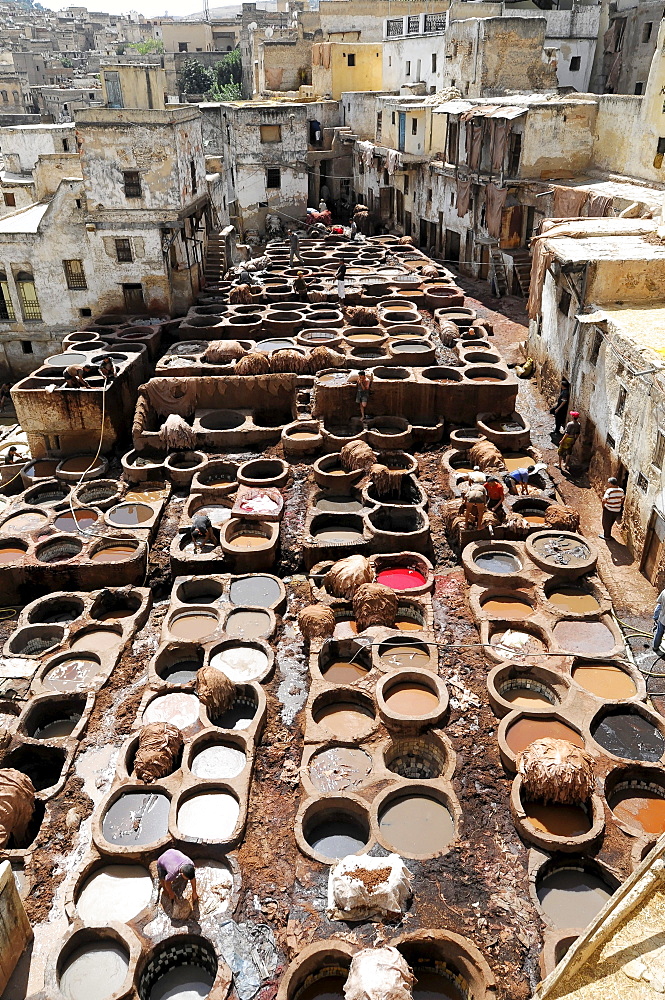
x,y
196,78
229,69
148,47
227,92
66,62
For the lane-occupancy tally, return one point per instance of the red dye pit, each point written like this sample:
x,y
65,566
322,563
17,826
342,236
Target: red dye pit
x,y
401,578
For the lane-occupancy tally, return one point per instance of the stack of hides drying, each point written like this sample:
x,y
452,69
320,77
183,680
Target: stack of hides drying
x,y
158,749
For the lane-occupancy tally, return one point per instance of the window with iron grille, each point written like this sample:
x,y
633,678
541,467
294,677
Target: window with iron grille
x,y
659,451
435,22
395,27
413,25
621,402
132,181
6,307
74,274
642,482
611,443
27,294
123,251
273,177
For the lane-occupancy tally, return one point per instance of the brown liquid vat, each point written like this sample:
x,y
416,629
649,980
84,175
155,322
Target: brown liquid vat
x,y
520,728
533,688
403,692
554,827
636,796
416,819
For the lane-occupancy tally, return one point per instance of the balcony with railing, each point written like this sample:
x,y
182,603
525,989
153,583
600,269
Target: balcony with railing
x,y
414,24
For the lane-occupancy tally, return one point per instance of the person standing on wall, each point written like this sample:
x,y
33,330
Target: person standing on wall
x,y
364,385
612,501
341,286
294,248
571,433
559,409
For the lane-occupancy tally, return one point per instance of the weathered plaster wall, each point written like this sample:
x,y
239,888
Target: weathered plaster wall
x,y
141,86
358,110
491,56
363,18
22,146
417,50
558,140
285,63
51,170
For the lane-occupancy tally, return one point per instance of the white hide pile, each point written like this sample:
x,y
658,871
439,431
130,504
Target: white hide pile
x,y
364,888
378,974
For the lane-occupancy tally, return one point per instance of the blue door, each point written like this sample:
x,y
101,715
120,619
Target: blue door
x,y
402,131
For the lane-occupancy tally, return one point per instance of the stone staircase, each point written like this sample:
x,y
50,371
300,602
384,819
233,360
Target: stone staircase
x,y
214,264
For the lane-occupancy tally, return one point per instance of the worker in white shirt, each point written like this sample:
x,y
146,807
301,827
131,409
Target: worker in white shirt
x,y
612,501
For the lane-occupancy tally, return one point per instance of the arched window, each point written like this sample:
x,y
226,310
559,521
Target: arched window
x,y
4,96
25,283
6,307
16,96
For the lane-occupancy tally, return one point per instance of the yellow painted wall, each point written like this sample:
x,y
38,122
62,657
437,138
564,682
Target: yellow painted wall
x,y
142,86
367,74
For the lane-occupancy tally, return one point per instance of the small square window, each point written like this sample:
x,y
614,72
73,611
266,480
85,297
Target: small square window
x,y
407,71
65,145
661,146
414,126
26,347
621,402
273,177
351,59
132,182
271,133
575,63
639,89
611,443
85,313
10,199
75,274
123,251
659,451
646,31
182,46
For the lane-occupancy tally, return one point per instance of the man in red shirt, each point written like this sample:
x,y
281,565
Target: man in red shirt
x,y
495,492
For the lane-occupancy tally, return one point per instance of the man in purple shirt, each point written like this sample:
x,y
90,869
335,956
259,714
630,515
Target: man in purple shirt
x,y
170,865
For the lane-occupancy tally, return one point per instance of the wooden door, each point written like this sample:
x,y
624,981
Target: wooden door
x,y
653,555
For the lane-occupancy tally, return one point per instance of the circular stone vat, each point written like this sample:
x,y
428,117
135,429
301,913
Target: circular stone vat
x,y
35,639
391,374
59,549
208,816
558,820
95,970
345,714
180,709
571,896
506,607
130,515
410,698
51,722
56,610
222,420
263,471
42,468
442,373
242,711
525,730
182,968
114,892
115,605
527,692
218,513
329,530
255,591
325,983
480,373
73,674
592,638
199,591
137,819
218,760
416,759
497,562
605,680
114,553
552,550
416,824
29,520
96,638
339,669
193,625
179,664
400,653
636,796
241,663
339,769
49,492
629,734
573,600
513,644
248,624
335,831
401,578
80,519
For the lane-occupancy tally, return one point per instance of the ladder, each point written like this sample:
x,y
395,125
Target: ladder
x,y
498,269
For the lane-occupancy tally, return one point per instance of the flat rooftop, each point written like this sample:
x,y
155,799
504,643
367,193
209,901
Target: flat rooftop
x,y
605,239
26,221
642,324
